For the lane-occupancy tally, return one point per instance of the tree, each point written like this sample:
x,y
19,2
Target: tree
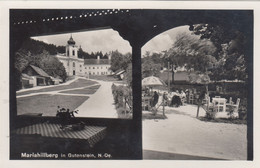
x,y
191,52
120,61
150,67
51,65
128,75
230,44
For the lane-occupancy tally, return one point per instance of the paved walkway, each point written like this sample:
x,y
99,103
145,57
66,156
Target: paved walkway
x,y
182,134
100,104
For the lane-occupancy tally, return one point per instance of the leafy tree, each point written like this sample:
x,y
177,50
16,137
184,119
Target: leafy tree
x,y
191,52
120,61
150,67
51,65
230,44
128,75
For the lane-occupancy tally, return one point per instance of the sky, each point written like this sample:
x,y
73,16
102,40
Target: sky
x,y
109,40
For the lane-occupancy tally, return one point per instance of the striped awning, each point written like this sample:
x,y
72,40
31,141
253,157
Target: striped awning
x,y
92,134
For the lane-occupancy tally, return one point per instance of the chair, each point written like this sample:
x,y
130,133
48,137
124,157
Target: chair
x,y
236,105
221,105
191,98
146,103
230,101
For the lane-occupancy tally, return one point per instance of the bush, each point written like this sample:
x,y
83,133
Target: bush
x,y
211,114
123,99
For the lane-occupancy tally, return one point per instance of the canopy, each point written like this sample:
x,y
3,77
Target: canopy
x,y
153,81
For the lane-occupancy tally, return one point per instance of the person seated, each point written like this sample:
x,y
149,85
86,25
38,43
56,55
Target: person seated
x,y
183,97
176,101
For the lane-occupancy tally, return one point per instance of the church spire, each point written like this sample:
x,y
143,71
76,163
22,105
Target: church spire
x,y
71,41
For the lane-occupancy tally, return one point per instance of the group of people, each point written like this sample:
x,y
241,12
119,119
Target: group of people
x,y
176,98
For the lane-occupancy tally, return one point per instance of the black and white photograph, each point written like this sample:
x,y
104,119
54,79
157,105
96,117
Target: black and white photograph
x,y
136,84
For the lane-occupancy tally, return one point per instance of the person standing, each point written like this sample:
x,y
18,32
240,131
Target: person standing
x,y
155,98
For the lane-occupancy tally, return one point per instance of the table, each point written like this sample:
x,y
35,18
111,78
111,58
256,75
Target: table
x,y
90,134
220,103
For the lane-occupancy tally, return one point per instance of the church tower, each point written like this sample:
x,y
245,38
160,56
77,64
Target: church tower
x,y
71,48
74,66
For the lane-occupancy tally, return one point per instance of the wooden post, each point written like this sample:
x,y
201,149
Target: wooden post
x,y
163,104
169,87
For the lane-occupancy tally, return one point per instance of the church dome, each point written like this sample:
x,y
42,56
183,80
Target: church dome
x,y
71,41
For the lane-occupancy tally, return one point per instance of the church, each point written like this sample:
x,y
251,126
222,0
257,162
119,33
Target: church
x,y
76,66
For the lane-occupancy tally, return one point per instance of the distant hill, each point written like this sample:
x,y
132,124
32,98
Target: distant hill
x,y
37,47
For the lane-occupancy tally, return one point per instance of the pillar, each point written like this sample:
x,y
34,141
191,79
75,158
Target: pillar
x,y
136,133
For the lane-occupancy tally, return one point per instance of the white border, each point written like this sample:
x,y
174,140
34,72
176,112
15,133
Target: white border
x,y
4,84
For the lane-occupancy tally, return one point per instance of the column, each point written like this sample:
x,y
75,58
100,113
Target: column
x,y
137,100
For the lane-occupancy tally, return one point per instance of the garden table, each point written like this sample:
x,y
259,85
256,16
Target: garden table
x,y
90,134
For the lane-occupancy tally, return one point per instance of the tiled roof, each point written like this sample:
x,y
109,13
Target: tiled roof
x,y
97,62
39,71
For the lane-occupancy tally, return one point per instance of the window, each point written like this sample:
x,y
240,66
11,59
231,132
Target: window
x,y
93,67
68,63
68,52
85,67
73,52
97,73
89,67
89,73
93,73
97,67
101,67
73,64
80,66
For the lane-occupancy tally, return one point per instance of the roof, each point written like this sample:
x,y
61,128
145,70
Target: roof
x,y
39,71
97,62
119,72
71,41
25,76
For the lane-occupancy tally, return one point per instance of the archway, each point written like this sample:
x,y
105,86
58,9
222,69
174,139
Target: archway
x,y
156,147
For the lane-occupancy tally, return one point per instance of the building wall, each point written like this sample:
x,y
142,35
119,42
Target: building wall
x,y
75,66
98,69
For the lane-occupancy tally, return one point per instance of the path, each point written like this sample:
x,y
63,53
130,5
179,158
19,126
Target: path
x,y
181,133
100,104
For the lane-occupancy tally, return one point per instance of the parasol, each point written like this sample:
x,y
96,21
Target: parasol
x,y
153,81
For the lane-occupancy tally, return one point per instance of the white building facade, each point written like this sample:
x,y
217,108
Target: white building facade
x,y
79,67
98,66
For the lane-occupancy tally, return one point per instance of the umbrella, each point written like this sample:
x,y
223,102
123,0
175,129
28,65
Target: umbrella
x,y
153,81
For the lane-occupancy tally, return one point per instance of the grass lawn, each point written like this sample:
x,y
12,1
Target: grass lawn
x,y
88,90
78,83
47,104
